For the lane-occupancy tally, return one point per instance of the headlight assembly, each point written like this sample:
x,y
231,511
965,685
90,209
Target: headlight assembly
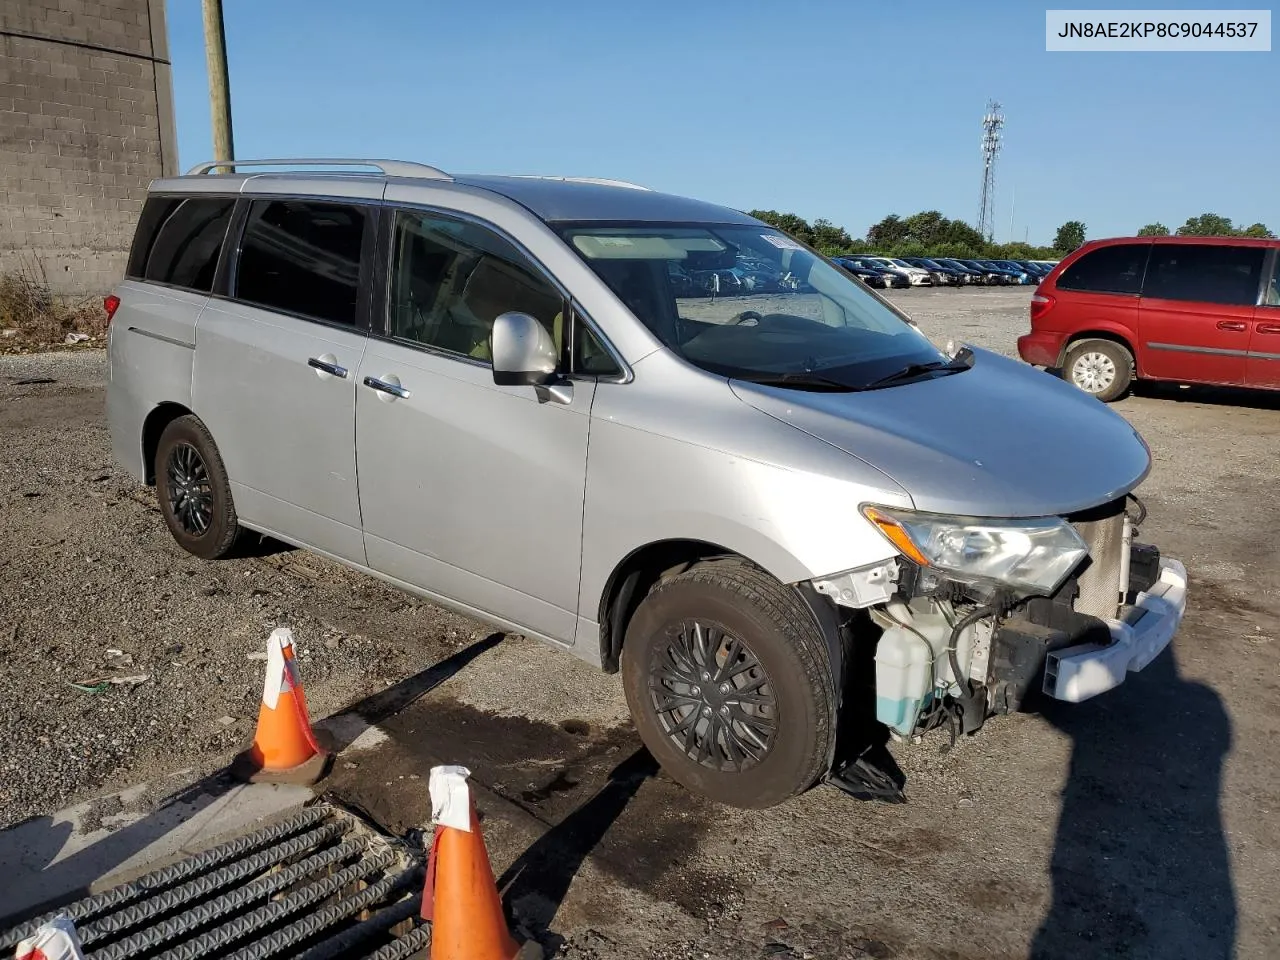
x,y
1031,555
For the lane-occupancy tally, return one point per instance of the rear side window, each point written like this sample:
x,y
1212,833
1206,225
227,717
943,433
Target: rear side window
x,y
1115,269
303,257
1204,273
178,241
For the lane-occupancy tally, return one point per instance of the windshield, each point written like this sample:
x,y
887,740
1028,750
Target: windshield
x,y
749,302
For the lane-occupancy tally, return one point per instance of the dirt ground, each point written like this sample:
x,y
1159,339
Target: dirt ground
x,y
1143,824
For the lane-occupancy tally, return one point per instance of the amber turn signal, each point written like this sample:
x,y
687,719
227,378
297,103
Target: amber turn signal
x,y
895,534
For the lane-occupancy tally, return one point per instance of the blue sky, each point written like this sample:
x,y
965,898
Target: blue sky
x,y
832,109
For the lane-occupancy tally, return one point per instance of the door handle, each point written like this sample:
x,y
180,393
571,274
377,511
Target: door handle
x,y
1268,328
383,386
1237,325
325,365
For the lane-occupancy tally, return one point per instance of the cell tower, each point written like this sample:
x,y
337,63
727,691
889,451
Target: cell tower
x,y
992,124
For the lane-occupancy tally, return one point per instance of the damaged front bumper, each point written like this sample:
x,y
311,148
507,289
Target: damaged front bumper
x,y
1076,673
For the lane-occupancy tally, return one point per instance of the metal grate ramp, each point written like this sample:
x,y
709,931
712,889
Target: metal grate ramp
x,y
320,884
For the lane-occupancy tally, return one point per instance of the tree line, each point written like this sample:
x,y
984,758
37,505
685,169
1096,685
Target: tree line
x,y
1208,225
930,234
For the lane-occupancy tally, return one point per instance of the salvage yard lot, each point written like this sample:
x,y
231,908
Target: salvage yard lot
x,y
1143,824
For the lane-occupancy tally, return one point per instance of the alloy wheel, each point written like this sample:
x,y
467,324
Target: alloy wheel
x,y
189,489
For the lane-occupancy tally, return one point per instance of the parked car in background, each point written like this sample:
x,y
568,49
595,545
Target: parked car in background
x,y
942,275
957,274
1011,274
971,275
918,276
893,276
1184,309
1034,270
911,269
872,278
1025,274
993,276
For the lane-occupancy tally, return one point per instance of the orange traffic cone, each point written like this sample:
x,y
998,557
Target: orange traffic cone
x,y
461,898
55,940
284,748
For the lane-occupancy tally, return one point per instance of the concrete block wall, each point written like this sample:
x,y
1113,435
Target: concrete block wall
x,y
86,122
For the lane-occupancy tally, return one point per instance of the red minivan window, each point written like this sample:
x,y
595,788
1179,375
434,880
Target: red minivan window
x,y
1115,269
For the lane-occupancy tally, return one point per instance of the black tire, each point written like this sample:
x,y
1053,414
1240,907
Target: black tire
x,y
190,477
1101,368
776,629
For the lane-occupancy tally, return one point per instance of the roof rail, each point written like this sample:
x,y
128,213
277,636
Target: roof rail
x,y
602,181
389,168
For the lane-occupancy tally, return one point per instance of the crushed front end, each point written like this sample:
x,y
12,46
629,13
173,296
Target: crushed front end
x,y
951,647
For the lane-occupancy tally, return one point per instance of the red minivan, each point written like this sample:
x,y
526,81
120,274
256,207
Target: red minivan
x,y
1185,309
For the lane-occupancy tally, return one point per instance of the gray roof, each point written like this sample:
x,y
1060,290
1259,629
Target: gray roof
x,y
550,198
554,199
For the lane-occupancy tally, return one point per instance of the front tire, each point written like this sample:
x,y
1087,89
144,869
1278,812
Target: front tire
x,y
1101,368
727,676
192,487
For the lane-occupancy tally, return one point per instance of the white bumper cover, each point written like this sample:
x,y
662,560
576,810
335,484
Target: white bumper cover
x,y
1078,673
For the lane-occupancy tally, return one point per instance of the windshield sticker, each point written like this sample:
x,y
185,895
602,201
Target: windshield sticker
x,y
782,243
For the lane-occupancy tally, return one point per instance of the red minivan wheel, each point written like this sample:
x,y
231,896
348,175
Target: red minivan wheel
x,y
1101,368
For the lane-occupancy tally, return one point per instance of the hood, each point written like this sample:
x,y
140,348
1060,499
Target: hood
x,y
1001,439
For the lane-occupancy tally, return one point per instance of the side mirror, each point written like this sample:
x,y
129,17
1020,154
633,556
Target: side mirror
x,y
522,350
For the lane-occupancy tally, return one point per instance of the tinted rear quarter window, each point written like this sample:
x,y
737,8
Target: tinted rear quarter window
x,y
179,239
303,257
1204,273
1114,269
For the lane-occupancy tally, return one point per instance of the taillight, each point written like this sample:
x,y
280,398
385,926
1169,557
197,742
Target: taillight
x,y
1040,305
111,303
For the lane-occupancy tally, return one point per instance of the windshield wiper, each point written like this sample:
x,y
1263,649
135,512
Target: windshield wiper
x,y
799,381
913,370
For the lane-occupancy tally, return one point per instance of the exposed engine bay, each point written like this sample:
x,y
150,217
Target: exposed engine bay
x,y
949,654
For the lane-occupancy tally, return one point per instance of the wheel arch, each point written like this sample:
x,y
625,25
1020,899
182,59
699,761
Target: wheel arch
x,y
152,427
637,573
1118,336
632,579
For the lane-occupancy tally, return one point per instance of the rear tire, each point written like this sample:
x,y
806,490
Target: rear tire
x,y
192,487
1101,368
728,679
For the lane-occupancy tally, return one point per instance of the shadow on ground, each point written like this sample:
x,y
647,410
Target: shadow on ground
x,y
1140,865
339,732
1216,396
535,885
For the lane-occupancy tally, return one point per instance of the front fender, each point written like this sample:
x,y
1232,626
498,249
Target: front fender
x,y
796,524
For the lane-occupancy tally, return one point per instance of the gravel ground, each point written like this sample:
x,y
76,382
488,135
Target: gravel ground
x,y
1141,824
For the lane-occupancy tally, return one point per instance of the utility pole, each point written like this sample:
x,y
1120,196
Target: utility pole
x,y
1013,205
215,49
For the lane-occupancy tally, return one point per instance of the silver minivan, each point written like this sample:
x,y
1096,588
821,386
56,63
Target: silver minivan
x,y
657,433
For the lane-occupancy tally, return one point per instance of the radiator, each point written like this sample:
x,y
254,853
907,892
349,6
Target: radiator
x,y
1099,579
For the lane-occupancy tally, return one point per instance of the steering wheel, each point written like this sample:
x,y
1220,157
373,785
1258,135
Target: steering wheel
x,y
747,318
